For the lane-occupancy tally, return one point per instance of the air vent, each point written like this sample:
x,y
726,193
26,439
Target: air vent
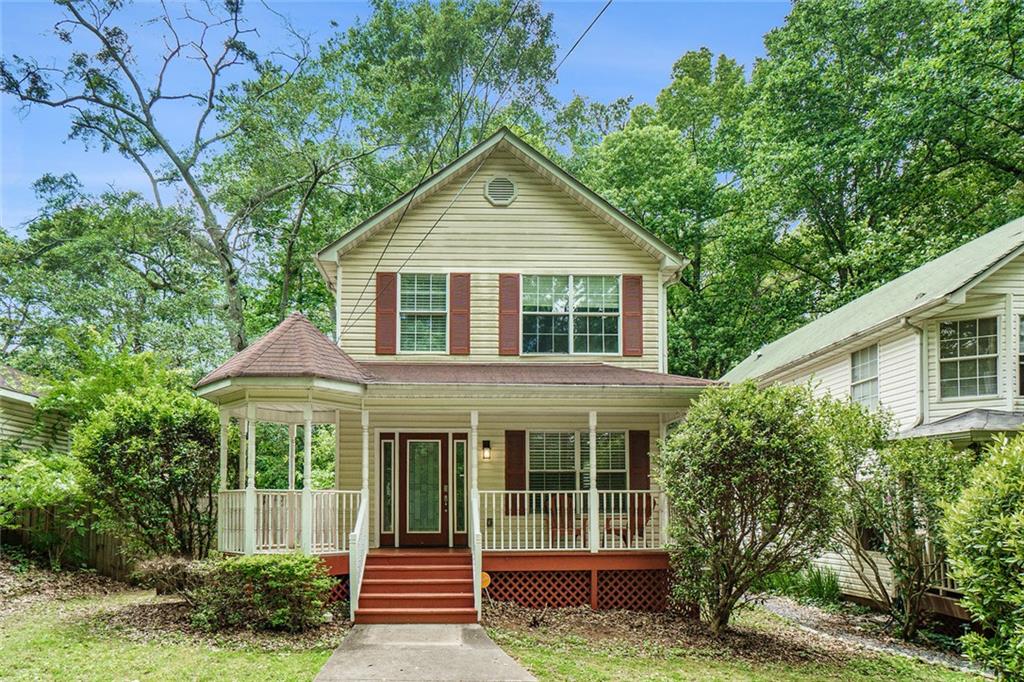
x,y
500,191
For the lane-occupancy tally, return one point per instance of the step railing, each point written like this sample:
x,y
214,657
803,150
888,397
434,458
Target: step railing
x,y
358,548
525,520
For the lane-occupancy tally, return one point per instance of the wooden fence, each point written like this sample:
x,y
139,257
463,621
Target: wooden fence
x,y
100,551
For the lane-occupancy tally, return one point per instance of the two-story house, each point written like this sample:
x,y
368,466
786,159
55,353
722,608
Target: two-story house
x,y
497,383
941,347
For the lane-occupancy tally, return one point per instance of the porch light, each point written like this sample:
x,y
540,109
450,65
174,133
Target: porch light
x,y
487,451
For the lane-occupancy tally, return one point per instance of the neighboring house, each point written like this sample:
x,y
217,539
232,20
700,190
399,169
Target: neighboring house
x,y
19,427
940,347
501,335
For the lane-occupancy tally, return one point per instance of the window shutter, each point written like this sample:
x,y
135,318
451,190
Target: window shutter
x,y
632,315
508,314
515,471
639,460
458,313
387,312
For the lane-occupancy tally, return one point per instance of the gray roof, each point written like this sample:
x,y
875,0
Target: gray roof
x,y
15,380
920,289
976,420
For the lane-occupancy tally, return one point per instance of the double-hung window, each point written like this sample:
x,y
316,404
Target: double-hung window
x,y
560,460
423,313
571,314
968,358
864,376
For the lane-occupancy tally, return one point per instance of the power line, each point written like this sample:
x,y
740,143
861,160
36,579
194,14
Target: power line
x,y
465,184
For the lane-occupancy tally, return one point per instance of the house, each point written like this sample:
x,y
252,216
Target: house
x,y
940,347
19,426
497,384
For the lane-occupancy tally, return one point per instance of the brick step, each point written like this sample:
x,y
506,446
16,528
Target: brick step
x,y
413,558
424,572
420,615
417,600
413,585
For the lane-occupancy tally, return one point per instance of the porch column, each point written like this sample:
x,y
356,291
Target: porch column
x,y
474,458
594,503
243,433
307,474
291,456
225,420
366,456
250,480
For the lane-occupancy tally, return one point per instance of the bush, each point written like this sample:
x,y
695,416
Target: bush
x,y
815,585
172,575
152,458
752,487
985,534
263,592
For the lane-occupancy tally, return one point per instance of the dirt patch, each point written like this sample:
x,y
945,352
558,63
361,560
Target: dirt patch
x,y
24,584
759,638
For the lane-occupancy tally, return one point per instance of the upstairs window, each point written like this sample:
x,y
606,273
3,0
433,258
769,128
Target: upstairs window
x,y
423,313
968,358
571,314
864,376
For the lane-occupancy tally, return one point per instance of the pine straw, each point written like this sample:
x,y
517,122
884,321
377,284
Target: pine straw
x,y
758,637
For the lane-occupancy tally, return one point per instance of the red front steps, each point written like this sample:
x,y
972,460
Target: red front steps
x,y
417,586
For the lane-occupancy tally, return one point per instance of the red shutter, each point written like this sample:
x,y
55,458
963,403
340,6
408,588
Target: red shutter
x,y
508,314
632,315
458,314
387,312
515,471
639,460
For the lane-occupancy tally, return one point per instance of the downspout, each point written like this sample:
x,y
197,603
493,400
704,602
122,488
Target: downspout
x,y
922,371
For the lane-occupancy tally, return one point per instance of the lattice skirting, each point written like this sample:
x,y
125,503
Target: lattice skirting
x,y
637,590
339,590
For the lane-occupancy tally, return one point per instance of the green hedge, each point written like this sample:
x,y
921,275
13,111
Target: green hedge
x,y
263,592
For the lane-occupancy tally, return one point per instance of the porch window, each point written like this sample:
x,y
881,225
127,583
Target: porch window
x,y
423,313
864,376
571,314
561,460
968,358
387,490
460,486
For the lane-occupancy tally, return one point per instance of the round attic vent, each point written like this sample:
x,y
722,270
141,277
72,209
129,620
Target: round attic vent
x,y
500,191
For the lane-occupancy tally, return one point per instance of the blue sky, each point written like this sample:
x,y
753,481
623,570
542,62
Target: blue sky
x,y
629,52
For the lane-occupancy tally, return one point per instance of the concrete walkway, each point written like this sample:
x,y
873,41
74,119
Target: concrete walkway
x,y
420,652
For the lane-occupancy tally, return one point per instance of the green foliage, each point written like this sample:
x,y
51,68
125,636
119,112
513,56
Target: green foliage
x,y
152,457
985,534
814,585
898,491
752,490
263,592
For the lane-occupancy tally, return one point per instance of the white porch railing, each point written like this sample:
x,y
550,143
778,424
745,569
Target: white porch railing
x,y
278,520
530,521
359,546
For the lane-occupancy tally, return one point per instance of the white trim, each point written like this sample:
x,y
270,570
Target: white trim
x,y
997,355
380,486
876,377
578,456
18,396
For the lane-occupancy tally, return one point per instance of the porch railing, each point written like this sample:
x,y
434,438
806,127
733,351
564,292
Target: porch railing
x,y
278,520
231,521
560,520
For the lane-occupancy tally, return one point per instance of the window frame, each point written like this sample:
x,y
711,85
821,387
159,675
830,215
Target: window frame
x,y
874,377
446,314
571,313
580,452
939,359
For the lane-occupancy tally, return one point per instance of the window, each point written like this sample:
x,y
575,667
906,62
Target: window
x,y
968,358
387,492
864,376
571,314
561,460
423,313
460,486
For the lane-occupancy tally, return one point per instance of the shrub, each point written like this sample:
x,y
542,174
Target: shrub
x,y
814,584
752,488
172,575
985,534
263,592
152,457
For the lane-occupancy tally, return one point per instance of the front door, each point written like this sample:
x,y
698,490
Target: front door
x,y
423,490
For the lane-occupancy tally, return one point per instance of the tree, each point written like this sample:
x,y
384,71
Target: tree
x,y
152,458
752,488
984,530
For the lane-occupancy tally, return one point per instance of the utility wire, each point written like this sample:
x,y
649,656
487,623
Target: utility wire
x,y
468,180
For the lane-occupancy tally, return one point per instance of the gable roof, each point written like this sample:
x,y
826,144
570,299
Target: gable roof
x,y
294,348
925,287
506,139
16,385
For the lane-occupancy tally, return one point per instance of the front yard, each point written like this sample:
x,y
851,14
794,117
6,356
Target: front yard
x,y
79,627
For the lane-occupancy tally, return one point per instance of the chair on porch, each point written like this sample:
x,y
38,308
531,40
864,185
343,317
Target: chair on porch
x,y
562,523
631,523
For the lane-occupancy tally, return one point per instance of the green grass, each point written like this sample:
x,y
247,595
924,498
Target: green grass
x,y
56,642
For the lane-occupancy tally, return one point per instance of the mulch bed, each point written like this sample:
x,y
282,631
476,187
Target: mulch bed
x,y
764,640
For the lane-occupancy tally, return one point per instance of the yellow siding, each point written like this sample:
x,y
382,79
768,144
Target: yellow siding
x,y
543,231
850,582
18,426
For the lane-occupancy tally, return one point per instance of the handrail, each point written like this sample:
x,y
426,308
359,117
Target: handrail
x,y
477,547
359,545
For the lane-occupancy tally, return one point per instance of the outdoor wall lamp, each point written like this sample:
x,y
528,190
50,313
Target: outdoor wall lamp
x,y
486,455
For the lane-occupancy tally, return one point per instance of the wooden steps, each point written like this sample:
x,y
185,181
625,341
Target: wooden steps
x,y
417,586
